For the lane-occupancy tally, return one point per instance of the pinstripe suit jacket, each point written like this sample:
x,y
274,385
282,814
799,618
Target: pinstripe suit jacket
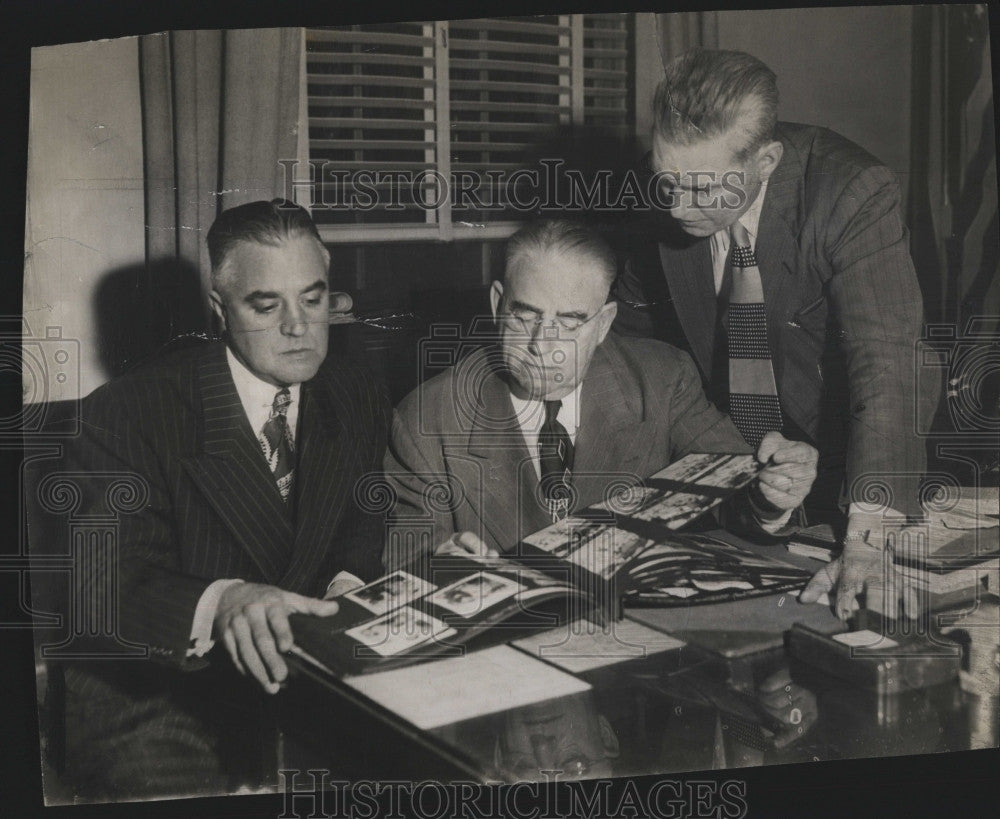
x,y
457,460
214,511
844,309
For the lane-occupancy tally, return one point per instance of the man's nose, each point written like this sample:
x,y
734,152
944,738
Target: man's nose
x,y
293,321
544,748
535,335
680,203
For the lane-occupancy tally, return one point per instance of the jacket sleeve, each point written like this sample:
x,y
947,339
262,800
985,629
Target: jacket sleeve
x,y
131,579
877,305
417,479
698,426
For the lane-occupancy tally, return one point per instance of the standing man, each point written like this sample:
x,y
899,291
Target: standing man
x,y
559,412
249,451
783,266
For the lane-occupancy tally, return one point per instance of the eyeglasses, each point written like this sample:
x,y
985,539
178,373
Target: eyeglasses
x,y
564,326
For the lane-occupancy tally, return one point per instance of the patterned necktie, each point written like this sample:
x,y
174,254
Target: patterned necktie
x,y
555,454
753,395
276,441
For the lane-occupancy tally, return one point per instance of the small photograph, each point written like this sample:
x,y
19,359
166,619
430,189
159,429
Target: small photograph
x,y
605,554
567,535
711,470
676,509
475,593
629,501
399,631
391,592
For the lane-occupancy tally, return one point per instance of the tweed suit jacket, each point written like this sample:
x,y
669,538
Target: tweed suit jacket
x,y
843,305
214,511
457,460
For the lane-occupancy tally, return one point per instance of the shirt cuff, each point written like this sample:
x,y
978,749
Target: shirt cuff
x,y
204,617
346,577
774,525
770,525
865,525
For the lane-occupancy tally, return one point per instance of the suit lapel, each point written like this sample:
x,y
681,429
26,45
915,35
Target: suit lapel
x,y
513,511
611,434
323,473
776,247
689,274
232,474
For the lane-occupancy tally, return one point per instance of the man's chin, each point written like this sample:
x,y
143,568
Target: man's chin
x,y
698,229
299,370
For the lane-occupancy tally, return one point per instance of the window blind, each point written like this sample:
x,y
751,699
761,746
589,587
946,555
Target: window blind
x,y
416,130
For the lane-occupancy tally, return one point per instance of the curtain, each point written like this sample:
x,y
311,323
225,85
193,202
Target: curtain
x,y
953,205
220,109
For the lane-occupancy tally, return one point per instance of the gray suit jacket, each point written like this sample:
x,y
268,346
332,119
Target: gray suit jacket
x,y
844,309
457,460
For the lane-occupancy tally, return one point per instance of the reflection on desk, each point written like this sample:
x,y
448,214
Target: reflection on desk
x,y
706,700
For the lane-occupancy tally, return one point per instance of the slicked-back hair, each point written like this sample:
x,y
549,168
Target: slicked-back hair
x,y
707,93
262,222
562,236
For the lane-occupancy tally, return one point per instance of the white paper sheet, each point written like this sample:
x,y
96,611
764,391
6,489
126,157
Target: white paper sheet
x,y
443,692
864,639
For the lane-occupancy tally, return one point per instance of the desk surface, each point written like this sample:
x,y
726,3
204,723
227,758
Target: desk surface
x,y
682,692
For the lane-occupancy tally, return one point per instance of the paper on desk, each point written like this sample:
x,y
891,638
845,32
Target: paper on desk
x,y
585,645
976,509
443,692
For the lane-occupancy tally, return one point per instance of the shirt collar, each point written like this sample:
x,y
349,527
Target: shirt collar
x,y
257,396
751,217
530,413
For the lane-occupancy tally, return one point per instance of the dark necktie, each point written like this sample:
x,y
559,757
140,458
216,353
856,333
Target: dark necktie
x,y
753,395
276,441
555,454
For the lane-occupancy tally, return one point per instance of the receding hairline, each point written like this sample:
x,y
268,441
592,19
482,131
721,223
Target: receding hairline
x,y
223,274
525,255
708,93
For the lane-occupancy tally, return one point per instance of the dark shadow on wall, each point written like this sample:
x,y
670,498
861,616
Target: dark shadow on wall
x,y
142,307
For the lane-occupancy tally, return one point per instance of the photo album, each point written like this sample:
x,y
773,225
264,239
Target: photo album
x,y
624,551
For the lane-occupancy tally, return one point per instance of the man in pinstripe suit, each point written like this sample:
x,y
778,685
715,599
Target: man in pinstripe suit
x,y
249,451
843,308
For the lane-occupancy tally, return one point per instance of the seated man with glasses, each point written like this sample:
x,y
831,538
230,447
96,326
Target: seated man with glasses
x,y
522,433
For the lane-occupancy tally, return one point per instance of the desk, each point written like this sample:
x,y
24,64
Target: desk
x,y
679,708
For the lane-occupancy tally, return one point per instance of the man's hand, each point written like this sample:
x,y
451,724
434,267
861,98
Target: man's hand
x,y
252,622
465,543
789,703
863,567
788,473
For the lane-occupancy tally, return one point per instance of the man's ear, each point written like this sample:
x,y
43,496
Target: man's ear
x,y
768,157
218,307
496,294
609,739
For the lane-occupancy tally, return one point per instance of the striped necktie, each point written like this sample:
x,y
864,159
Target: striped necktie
x,y
276,441
753,395
555,455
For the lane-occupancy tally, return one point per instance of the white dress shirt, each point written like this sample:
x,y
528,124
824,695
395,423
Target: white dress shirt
x,y
720,240
257,398
530,416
